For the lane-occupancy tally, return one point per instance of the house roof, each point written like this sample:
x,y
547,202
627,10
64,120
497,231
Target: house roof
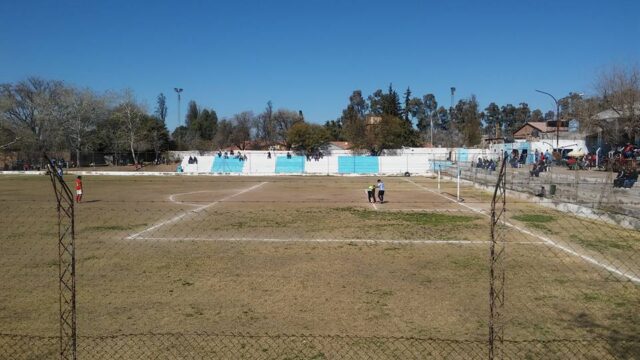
x,y
541,126
344,145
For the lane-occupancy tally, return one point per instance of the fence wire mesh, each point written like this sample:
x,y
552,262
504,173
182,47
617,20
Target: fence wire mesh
x,y
307,268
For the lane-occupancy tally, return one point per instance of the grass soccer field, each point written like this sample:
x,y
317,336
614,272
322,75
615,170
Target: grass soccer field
x,y
310,255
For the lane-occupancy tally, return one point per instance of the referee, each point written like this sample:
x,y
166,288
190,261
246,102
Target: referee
x,y
380,191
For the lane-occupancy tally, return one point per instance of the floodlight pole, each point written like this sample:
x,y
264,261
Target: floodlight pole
x,y
557,117
178,91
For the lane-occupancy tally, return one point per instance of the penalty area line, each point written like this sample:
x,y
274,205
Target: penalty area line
x,y
204,207
367,241
545,239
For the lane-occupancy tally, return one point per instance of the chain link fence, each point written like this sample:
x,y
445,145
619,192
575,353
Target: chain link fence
x,y
307,268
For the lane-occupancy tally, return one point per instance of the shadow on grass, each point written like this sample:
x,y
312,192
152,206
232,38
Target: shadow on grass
x,y
624,343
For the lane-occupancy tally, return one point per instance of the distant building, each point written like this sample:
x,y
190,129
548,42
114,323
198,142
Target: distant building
x,y
373,120
539,130
338,145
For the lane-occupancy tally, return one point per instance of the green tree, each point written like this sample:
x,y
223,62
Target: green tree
x,y
205,124
161,108
307,138
181,138
406,112
537,116
389,133
334,128
353,120
429,105
192,114
522,116
155,135
493,120
508,119
468,121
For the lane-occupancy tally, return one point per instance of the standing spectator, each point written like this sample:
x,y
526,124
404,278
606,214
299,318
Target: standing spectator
x,y
79,189
380,191
269,155
627,151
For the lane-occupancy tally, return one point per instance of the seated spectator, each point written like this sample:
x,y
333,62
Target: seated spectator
x,y
231,152
288,155
219,153
195,160
542,193
630,179
571,163
535,170
226,156
619,180
179,168
190,161
492,165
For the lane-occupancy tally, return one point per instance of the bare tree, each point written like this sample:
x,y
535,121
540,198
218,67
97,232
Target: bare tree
x,y
84,110
130,115
283,120
32,109
619,89
241,132
264,126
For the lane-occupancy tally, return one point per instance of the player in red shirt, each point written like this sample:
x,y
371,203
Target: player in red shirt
x,y
79,189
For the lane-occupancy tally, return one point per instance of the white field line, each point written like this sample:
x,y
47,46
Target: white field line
x,y
427,210
367,241
172,197
196,210
545,239
372,204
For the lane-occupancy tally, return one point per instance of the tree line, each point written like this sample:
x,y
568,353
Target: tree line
x,y
38,114
383,121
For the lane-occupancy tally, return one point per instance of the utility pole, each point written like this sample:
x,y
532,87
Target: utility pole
x,y
453,91
178,91
557,118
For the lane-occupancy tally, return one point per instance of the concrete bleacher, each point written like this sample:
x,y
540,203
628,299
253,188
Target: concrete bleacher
x,y
228,165
260,164
358,164
293,165
322,166
415,164
203,165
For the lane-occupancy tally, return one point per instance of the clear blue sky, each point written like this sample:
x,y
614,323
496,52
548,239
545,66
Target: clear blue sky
x,y
310,55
